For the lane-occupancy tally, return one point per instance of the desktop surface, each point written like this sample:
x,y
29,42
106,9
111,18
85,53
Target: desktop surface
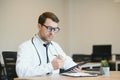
x,y
114,75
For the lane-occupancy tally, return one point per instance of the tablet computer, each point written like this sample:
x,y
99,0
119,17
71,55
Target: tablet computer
x,y
76,66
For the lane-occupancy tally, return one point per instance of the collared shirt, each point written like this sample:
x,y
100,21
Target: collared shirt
x,y
29,64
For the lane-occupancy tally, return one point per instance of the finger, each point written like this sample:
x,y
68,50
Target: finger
x,y
76,70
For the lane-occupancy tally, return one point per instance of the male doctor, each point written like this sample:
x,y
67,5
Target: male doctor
x,y
41,56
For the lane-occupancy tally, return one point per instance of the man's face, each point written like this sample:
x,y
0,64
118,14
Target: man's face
x,y
44,34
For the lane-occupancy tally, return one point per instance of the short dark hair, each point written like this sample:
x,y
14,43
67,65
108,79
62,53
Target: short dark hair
x,y
42,18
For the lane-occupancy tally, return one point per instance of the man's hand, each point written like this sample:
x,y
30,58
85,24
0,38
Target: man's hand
x,y
58,62
76,69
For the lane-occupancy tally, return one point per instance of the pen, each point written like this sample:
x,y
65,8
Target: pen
x,y
60,57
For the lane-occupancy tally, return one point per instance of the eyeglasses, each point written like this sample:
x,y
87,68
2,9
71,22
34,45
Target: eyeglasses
x,y
50,28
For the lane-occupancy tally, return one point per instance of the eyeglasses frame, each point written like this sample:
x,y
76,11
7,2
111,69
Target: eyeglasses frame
x,y
50,28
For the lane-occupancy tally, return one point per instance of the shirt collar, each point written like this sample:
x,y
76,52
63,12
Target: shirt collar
x,y
37,36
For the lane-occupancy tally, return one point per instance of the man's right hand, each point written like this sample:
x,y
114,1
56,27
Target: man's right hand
x,y
58,62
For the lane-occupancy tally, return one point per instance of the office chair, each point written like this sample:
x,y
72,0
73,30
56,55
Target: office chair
x,y
2,72
9,58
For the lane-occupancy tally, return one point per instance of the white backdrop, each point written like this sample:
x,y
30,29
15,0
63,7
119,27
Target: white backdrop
x,y
82,22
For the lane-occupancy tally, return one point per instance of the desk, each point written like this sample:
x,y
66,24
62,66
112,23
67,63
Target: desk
x,y
114,75
117,62
91,65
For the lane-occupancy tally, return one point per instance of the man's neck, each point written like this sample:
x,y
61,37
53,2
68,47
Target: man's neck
x,y
43,39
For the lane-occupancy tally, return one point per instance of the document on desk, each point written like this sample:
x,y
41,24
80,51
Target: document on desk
x,y
79,74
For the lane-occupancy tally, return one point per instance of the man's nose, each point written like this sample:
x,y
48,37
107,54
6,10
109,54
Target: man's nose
x,y
52,32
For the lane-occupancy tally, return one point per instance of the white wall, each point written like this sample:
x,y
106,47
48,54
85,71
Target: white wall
x,y
83,23
93,22
18,21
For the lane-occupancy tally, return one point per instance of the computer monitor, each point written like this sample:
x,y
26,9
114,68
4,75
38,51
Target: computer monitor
x,y
101,52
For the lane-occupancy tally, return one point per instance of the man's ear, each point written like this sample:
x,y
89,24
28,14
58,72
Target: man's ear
x,y
39,26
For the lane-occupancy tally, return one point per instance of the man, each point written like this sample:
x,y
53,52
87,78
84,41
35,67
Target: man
x,y
40,55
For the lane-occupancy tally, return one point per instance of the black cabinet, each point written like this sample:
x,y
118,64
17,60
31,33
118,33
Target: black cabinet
x,y
80,57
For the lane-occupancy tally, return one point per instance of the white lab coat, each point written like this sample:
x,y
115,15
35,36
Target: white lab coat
x,y
28,63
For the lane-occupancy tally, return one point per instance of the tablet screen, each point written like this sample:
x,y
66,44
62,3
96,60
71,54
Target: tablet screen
x,y
76,66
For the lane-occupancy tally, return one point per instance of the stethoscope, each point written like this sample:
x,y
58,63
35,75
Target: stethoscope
x,y
37,50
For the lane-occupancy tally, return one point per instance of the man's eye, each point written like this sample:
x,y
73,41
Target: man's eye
x,y
49,28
